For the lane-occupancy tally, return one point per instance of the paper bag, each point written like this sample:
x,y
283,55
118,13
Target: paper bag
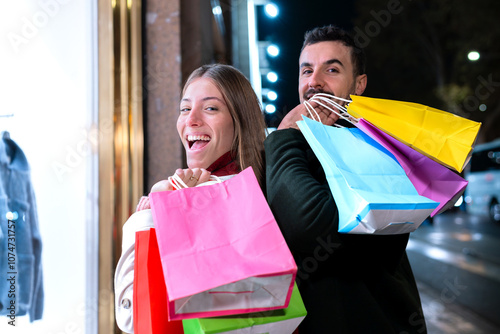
x,y
221,250
442,136
150,296
371,190
283,321
430,178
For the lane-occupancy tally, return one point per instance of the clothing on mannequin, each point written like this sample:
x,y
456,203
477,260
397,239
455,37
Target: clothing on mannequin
x,y
21,280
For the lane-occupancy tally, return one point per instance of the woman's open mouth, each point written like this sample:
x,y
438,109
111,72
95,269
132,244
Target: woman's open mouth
x,y
196,142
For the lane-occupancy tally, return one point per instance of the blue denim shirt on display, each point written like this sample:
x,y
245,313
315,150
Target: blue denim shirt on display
x,y
21,282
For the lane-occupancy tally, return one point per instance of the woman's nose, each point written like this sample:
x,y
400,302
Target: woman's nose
x,y
194,118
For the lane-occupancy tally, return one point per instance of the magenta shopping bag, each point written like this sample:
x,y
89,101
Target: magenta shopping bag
x,y
430,178
221,249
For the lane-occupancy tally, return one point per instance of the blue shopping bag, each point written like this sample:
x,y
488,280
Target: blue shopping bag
x,y
372,192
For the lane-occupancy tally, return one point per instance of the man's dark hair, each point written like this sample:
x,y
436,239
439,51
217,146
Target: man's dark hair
x,y
332,33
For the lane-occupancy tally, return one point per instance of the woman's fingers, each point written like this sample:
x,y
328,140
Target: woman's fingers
x,y
162,185
204,176
193,177
190,177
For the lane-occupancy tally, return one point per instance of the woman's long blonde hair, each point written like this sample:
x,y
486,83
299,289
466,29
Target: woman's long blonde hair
x,y
249,125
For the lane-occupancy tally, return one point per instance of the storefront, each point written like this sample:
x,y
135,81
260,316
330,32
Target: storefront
x,y
90,95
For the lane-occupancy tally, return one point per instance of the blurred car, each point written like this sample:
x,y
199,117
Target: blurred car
x,y
482,195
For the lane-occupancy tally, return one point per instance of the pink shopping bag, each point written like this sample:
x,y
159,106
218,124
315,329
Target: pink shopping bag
x,y
430,178
221,249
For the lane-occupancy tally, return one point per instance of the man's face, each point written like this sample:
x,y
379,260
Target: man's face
x,y
326,67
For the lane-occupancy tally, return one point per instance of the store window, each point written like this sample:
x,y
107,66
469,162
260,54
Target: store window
x,y
48,108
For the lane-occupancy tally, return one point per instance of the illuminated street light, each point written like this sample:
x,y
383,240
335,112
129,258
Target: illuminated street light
x,y
473,55
272,76
270,108
271,10
272,96
273,50
217,10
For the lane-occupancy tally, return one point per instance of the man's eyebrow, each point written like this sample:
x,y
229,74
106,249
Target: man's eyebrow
x,y
334,61
328,62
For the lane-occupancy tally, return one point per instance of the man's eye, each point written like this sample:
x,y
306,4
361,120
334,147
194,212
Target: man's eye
x,y
306,72
333,70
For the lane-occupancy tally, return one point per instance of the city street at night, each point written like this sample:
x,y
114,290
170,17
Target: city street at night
x,y
456,263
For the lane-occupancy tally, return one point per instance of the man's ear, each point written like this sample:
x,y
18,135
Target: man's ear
x,y
361,81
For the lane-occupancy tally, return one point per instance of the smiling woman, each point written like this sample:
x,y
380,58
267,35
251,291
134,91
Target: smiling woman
x,y
225,92
205,124
222,128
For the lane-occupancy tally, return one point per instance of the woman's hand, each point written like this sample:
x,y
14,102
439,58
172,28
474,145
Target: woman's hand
x,y
191,177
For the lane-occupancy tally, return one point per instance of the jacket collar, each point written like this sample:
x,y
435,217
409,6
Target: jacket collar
x,y
11,154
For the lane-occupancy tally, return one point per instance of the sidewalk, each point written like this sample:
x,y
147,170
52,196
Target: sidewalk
x,y
450,318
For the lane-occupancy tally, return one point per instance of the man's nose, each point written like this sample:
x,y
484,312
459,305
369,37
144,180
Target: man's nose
x,y
316,80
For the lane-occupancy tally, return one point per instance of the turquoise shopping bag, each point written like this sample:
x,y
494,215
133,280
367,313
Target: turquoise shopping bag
x,y
371,190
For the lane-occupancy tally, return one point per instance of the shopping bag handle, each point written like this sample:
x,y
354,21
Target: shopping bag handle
x,y
215,178
341,110
312,112
330,96
325,98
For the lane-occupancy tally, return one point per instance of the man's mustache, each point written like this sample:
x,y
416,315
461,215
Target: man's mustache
x,y
310,92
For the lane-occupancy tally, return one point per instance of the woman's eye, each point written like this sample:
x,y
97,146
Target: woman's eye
x,y
184,110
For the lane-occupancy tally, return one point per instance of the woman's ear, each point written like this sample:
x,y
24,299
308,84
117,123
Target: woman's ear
x,y
361,81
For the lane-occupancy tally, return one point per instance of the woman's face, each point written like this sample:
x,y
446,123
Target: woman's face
x,y
205,125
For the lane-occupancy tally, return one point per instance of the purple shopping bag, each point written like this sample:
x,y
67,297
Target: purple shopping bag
x,y
430,178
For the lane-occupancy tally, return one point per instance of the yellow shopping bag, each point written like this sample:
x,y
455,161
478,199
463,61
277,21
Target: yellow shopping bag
x,y
440,135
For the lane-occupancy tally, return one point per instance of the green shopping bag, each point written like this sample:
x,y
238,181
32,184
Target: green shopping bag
x,y
282,321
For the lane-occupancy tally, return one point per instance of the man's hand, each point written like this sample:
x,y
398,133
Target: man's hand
x,y
290,120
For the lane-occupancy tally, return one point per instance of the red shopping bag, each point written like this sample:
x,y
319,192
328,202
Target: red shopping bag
x,y
221,250
150,294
